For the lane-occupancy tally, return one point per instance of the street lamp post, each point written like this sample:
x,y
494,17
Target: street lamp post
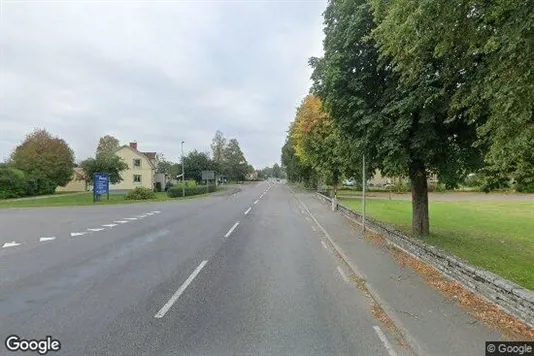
x,y
183,175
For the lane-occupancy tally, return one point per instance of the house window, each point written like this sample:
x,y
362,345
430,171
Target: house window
x,y
137,162
137,178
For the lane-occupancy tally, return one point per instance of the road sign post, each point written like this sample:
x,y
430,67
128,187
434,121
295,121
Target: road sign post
x,y
207,176
100,186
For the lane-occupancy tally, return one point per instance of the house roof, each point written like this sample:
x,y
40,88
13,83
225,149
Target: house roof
x,y
150,155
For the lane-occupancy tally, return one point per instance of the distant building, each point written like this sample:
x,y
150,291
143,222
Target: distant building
x,y
141,170
78,183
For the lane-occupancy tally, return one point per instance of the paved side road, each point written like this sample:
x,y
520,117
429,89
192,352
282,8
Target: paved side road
x,y
243,274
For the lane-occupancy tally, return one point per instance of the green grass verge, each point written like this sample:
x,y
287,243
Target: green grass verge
x,y
496,236
83,199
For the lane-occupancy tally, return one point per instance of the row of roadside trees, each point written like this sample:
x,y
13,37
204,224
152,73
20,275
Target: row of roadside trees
x,y
420,88
226,159
43,162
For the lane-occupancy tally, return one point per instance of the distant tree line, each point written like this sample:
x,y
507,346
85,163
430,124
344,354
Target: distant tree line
x,y
420,88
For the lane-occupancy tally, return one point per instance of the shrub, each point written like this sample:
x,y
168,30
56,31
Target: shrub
x,y
140,193
12,183
39,185
176,191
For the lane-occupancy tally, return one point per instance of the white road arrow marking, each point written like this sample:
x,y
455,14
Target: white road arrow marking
x,y
109,225
99,229
43,239
10,244
72,234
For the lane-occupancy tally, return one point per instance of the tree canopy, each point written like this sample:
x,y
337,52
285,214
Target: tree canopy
x,y
110,164
107,145
195,162
45,156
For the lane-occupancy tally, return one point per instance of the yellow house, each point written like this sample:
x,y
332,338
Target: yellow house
x,y
78,182
141,168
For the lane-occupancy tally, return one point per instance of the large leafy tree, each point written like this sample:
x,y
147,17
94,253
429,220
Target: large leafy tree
x,y
110,164
107,145
296,170
235,164
482,54
196,162
218,146
403,129
45,156
277,171
319,142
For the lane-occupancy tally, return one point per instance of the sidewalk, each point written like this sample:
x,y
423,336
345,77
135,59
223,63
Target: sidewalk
x,y
429,322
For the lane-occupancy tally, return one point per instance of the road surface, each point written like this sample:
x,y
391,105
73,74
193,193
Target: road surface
x,y
244,274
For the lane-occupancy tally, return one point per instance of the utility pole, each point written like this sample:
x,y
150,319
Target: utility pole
x,y
363,193
183,175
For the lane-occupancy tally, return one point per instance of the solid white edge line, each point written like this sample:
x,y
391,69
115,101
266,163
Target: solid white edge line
x,y
231,229
180,290
43,239
343,275
324,245
256,202
248,210
385,341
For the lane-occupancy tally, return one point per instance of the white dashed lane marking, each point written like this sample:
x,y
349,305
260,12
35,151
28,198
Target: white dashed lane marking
x,y
72,234
10,244
121,221
96,230
179,292
231,229
109,225
44,239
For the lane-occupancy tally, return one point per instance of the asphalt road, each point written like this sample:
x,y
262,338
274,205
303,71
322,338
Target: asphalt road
x,y
245,274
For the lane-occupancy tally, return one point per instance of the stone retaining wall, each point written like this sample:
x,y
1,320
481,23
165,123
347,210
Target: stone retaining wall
x,y
512,298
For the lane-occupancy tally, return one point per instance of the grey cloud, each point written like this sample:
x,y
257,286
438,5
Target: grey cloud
x,y
157,73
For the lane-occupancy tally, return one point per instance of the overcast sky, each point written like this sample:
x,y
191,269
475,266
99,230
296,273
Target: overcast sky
x,y
156,72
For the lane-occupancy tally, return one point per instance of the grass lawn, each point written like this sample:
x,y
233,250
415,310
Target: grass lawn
x,y
82,199
495,235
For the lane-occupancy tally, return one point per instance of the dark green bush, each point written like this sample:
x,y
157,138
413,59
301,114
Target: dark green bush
x,y
12,183
176,191
36,185
140,193
15,184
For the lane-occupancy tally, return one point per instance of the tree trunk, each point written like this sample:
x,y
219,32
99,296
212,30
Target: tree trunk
x,y
418,181
334,190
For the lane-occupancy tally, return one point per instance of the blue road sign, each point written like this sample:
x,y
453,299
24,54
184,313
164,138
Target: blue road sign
x,y
101,184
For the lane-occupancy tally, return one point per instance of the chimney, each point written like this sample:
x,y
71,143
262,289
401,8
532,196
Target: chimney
x,y
133,145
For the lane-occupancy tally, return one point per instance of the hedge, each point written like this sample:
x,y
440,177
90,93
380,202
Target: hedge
x,y
15,184
176,192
